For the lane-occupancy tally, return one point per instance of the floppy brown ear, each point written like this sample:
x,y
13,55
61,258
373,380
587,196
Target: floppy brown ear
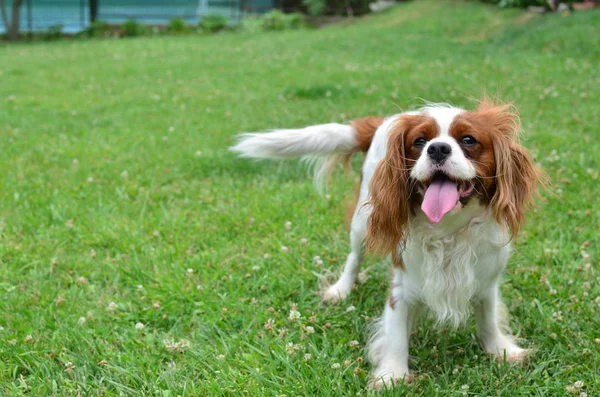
x,y
517,177
389,191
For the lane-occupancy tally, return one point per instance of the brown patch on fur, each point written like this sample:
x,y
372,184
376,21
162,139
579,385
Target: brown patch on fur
x,y
390,189
365,130
392,301
350,205
481,154
506,173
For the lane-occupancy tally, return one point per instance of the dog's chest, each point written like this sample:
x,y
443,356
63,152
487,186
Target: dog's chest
x,y
470,257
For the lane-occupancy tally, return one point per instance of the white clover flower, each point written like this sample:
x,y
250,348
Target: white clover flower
x,y
269,324
294,315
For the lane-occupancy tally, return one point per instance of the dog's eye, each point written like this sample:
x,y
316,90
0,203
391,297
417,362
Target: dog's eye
x,y
420,142
468,140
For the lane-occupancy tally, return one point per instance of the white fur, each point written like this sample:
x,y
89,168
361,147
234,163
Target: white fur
x,y
319,145
449,267
324,139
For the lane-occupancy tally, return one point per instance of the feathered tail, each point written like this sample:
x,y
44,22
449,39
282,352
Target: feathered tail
x,y
323,145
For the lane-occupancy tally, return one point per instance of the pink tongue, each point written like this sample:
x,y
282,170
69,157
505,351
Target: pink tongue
x,y
440,197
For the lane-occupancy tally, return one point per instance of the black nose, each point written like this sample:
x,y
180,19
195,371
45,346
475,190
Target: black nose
x,y
439,151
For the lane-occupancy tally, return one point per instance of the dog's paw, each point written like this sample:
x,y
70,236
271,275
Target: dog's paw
x,y
387,378
514,355
334,294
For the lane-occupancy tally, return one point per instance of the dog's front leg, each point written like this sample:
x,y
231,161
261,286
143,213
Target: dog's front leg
x,y
388,347
340,290
491,316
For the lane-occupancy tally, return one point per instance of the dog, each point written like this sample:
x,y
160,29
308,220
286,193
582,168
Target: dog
x,y
443,192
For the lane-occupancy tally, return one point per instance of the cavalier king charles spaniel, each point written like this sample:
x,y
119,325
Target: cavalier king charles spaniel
x,y
443,192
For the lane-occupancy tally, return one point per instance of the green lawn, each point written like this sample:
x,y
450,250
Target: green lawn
x,y
120,205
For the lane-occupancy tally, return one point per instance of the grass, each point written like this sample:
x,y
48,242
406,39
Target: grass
x,y
120,204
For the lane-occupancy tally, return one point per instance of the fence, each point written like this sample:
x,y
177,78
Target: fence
x,y
76,15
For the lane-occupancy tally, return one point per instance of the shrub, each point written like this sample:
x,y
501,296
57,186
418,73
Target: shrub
x,y
277,20
522,3
294,20
213,23
330,7
132,28
315,7
273,20
54,32
98,29
178,26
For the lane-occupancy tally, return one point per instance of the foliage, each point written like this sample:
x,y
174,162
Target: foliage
x,y
213,23
120,204
54,32
277,20
98,29
132,28
329,7
522,3
178,26
315,7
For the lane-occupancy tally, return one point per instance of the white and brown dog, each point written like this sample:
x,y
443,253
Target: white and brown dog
x,y
443,191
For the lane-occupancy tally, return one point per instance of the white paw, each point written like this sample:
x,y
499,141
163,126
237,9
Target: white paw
x,y
334,293
505,348
514,355
388,377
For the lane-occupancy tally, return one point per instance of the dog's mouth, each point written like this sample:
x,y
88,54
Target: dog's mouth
x,y
443,193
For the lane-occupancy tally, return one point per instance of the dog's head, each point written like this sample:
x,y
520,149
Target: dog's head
x,y
442,159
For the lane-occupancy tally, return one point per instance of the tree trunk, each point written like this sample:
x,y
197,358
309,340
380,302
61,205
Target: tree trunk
x,y
12,28
349,10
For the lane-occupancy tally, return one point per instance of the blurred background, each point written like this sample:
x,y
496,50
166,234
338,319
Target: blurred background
x,y
75,16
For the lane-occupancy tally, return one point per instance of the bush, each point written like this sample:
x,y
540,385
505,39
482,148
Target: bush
x,y
315,7
213,23
54,32
178,26
294,20
522,3
329,7
98,29
132,28
277,20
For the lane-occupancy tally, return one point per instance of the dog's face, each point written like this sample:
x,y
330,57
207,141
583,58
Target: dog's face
x,y
441,159
451,159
